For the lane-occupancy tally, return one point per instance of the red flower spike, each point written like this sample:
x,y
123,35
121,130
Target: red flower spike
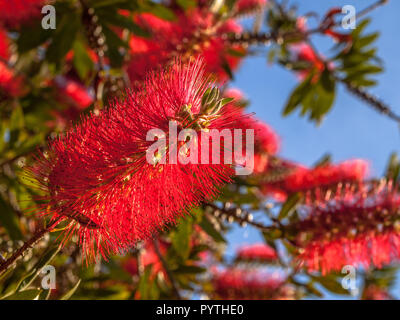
x,y
244,284
350,227
303,179
10,84
258,252
245,6
16,12
97,175
191,34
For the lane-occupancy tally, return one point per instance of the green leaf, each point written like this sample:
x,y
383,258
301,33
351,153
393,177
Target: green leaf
x,y
393,167
207,226
326,159
160,11
30,294
33,36
9,220
63,38
82,62
297,96
331,284
290,205
190,270
35,271
116,19
186,4
70,293
181,238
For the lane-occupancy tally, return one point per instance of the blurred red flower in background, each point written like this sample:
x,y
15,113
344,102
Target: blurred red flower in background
x,y
257,252
15,12
359,228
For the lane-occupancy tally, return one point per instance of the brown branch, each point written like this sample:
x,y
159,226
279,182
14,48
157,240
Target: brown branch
x,y
27,245
167,271
373,101
239,215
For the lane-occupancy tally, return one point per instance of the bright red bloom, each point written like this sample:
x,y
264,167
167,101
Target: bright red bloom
x,y
304,53
73,93
4,45
374,292
256,252
10,84
15,12
303,179
148,256
97,173
243,284
347,227
191,34
244,6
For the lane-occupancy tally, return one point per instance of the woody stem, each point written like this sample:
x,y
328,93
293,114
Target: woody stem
x,y
27,245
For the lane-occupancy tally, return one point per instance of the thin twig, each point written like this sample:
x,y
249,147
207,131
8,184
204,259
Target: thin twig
x,y
241,218
167,271
27,245
373,101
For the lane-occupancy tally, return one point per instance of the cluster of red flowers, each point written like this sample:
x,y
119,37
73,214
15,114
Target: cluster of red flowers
x,y
10,84
245,6
14,13
258,252
195,32
242,284
97,173
302,179
350,227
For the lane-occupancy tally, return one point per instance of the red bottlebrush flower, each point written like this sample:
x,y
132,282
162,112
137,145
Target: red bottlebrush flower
x,y
304,53
10,85
243,284
347,227
73,93
306,179
303,179
97,174
374,292
4,45
130,266
259,252
15,12
301,24
246,6
148,257
191,34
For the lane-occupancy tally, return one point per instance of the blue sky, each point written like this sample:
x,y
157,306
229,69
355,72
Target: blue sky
x,y
352,129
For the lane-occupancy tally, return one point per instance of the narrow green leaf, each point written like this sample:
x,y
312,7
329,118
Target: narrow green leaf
x,y
71,292
290,205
